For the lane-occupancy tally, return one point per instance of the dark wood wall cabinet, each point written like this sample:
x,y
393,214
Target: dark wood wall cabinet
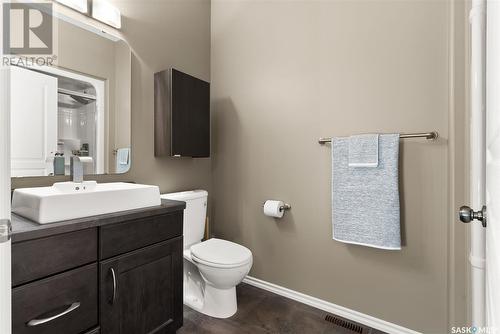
x,y
124,277
182,115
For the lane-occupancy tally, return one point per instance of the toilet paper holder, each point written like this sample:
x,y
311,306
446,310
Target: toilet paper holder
x,y
284,207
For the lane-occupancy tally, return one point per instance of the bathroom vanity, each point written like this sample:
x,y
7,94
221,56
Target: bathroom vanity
x,y
112,273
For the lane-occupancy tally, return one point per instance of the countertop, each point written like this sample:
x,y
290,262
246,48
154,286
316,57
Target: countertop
x,y
24,229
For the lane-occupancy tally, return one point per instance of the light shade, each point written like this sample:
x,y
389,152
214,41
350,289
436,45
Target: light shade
x,y
107,13
79,5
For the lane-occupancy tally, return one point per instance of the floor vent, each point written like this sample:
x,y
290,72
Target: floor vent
x,y
351,326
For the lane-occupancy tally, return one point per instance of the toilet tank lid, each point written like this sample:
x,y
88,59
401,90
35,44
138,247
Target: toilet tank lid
x,y
185,195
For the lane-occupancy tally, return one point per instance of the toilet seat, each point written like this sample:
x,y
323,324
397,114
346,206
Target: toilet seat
x,y
220,253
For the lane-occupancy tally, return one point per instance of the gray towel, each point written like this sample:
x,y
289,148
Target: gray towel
x,y
363,151
366,200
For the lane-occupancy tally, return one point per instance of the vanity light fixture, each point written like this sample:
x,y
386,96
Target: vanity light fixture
x,y
106,13
79,5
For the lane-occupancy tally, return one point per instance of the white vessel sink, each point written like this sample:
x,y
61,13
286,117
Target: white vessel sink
x,y
69,200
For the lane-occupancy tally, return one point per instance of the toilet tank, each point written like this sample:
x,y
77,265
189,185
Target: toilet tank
x,y
194,214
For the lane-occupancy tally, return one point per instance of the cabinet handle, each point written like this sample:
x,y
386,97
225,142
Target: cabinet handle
x,y
36,322
114,286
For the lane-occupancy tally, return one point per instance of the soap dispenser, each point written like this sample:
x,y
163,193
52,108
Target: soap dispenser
x,y
59,164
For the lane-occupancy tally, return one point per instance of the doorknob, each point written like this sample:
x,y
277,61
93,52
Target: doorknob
x,y
467,215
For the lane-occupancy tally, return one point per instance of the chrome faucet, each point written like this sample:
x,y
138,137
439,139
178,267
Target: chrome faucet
x,y
76,169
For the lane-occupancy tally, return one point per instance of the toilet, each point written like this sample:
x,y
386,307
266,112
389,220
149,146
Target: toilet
x,y
212,268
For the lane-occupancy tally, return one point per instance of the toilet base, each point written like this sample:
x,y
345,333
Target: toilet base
x,y
219,303
216,303
204,298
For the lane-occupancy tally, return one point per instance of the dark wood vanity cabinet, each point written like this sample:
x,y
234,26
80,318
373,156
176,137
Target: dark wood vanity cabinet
x,y
141,291
124,277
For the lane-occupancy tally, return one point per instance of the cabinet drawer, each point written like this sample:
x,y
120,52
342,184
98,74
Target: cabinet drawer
x,y
34,259
128,236
52,298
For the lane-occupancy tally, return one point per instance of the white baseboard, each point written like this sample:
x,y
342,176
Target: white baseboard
x,y
341,311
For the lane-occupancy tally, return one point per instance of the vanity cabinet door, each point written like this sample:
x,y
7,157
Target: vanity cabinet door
x,y
141,291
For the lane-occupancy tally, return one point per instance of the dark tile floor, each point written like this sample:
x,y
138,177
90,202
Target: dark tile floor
x,y
260,311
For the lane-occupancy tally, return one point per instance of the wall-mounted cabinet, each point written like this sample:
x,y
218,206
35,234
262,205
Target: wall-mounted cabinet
x,y
182,115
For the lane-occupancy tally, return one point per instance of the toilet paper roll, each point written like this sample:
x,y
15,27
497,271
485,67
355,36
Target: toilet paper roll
x,y
272,208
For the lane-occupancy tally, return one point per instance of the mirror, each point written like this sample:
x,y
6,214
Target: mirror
x,y
78,106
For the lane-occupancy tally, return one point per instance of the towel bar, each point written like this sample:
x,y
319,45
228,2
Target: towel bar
x,y
427,135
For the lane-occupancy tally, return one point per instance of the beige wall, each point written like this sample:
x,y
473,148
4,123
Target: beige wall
x,y
165,34
162,34
285,73
458,237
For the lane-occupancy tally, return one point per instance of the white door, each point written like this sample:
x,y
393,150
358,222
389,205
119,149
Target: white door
x,y
485,165
5,267
5,275
493,165
477,162
33,121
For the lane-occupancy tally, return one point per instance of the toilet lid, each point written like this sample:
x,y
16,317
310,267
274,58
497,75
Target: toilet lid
x,y
222,252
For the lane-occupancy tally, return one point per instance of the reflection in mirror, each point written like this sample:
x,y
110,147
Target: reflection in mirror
x,y
78,107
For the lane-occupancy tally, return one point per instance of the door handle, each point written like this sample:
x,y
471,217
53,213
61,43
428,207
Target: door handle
x,y
467,215
5,230
113,276
36,322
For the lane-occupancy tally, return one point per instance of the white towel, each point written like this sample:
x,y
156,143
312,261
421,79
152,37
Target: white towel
x,y
365,201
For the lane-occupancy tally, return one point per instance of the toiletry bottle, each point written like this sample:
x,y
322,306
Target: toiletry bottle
x,y
59,164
